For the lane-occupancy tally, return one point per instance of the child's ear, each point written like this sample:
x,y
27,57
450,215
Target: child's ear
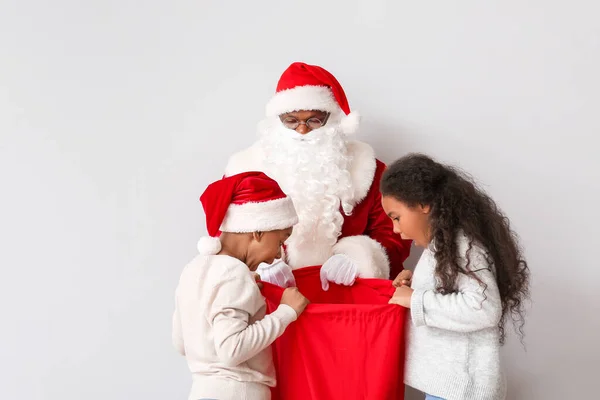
x,y
257,236
425,208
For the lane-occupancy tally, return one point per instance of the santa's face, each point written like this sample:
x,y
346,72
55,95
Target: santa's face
x,y
304,121
315,149
312,167
310,131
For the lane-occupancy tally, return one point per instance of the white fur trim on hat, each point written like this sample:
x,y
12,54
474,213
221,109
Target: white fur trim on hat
x,y
303,98
260,217
209,245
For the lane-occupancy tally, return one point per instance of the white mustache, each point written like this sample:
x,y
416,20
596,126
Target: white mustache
x,y
311,137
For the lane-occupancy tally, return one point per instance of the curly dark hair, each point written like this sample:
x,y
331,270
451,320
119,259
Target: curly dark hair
x,y
459,206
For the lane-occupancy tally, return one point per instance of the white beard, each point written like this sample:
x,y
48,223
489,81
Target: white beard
x,y
313,170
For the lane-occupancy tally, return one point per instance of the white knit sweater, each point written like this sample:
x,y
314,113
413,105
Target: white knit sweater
x,y
453,344
220,326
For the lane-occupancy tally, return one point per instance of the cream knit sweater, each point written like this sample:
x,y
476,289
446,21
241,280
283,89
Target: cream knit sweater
x,y
220,326
453,343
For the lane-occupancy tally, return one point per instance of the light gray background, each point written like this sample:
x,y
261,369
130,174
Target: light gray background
x,y
114,115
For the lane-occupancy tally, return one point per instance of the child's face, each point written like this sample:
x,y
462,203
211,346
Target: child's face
x,y
266,247
409,222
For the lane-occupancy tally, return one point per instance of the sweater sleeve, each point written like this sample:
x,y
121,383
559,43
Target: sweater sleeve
x,y
177,332
235,300
474,306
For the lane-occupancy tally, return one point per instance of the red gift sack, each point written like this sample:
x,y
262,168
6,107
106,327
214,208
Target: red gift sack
x,y
348,344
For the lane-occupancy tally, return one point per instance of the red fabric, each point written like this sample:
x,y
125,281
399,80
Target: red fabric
x,y
301,74
348,344
368,218
247,187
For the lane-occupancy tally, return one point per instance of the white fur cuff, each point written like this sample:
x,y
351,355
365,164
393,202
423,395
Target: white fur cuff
x,y
369,255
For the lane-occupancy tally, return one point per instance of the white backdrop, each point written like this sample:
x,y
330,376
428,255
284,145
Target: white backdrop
x,y
114,115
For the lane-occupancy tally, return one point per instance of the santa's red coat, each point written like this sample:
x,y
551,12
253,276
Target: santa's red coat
x,y
368,218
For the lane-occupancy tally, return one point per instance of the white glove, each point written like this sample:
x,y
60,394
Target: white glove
x,y
339,269
278,273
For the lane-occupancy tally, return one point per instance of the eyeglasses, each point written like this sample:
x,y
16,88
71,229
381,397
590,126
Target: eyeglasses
x,y
312,123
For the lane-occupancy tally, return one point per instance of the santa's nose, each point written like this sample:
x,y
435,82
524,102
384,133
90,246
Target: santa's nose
x,y
303,129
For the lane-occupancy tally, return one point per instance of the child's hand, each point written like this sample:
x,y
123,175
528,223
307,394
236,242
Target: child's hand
x,y
402,296
293,298
404,278
257,279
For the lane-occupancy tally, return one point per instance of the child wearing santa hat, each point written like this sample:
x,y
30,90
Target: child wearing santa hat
x,y
219,323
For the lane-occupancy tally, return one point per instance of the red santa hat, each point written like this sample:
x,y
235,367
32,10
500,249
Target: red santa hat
x,y
247,202
310,87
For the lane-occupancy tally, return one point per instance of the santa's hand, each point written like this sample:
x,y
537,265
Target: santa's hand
x,y
278,273
339,269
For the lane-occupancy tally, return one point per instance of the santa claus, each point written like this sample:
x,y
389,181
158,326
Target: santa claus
x,y
333,182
